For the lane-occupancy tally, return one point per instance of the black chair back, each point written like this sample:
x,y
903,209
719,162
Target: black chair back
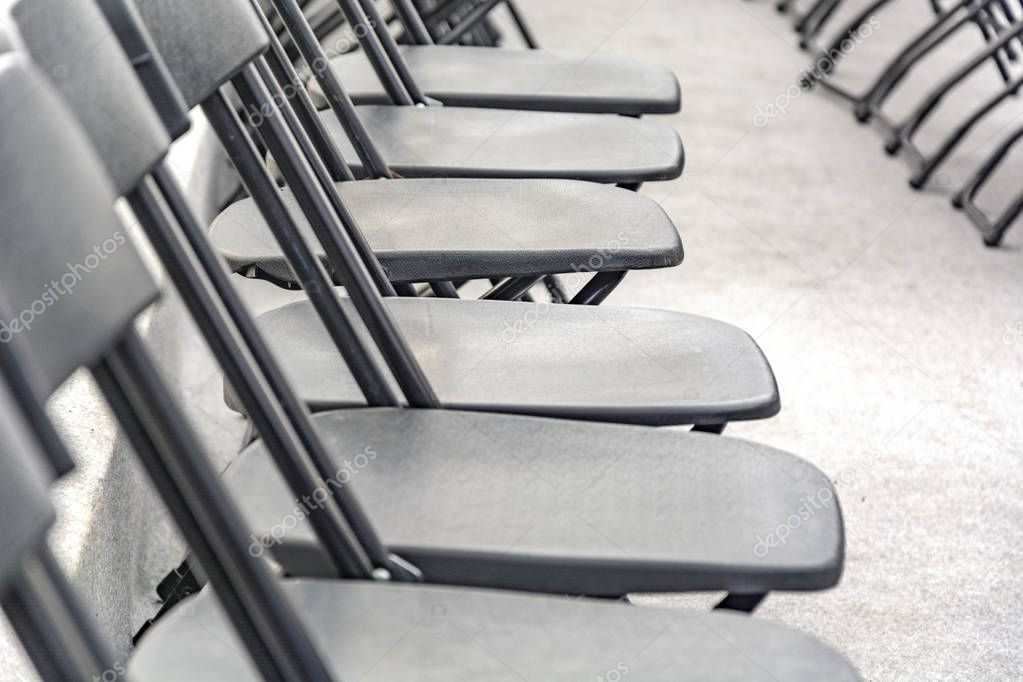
x,y
67,270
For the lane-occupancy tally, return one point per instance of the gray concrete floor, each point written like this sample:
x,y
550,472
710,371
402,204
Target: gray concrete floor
x,y
897,338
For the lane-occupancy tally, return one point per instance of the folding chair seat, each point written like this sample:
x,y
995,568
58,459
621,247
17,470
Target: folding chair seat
x,y
629,365
450,229
429,634
562,507
488,143
505,78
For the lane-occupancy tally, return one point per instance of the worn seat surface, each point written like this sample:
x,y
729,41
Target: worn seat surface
x,y
598,363
448,228
492,143
548,80
560,506
373,632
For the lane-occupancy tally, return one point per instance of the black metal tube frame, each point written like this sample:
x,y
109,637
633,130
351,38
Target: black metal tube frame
x,y
336,242
343,216
173,458
298,415
302,477
339,101
393,52
412,22
373,44
307,267
472,19
927,164
993,231
947,24
902,133
284,73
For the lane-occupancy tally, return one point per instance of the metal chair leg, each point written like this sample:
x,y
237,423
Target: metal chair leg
x,y
930,163
872,100
992,231
913,123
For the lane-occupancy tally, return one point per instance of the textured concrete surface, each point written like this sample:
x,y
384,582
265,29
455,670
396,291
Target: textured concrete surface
x,y
897,338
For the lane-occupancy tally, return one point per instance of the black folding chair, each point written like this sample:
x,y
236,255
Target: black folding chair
x,y
776,482
56,206
502,78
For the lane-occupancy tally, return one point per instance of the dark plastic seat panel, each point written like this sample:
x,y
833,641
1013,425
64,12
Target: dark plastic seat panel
x,y
490,143
597,363
564,507
506,78
447,228
374,632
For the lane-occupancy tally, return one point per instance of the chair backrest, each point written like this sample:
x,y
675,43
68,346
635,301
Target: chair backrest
x,y
124,19
203,42
74,44
25,511
67,268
